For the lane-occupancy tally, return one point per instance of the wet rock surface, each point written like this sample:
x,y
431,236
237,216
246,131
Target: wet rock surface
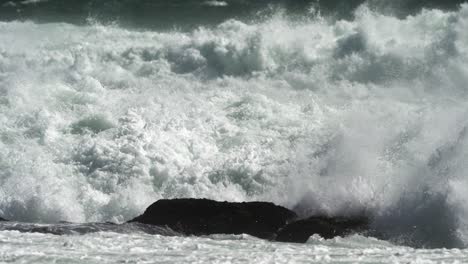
x,y
260,219
178,217
327,227
204,217
66,228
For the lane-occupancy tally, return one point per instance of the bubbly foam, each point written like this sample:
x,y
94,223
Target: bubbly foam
x,y
336,117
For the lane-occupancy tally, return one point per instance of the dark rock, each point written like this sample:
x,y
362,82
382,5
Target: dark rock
x,y
203,217
327,227
67,228
3,219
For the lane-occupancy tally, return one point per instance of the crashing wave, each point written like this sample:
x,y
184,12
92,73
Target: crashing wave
x,y
330,116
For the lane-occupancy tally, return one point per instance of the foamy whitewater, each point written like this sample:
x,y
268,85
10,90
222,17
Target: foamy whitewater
x,y
320,115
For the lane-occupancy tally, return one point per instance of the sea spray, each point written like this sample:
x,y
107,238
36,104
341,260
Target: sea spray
x,y
325,115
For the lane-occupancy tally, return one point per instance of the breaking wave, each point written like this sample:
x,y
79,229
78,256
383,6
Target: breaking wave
x,y
330,116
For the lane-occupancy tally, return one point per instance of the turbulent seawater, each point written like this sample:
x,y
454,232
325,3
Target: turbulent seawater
x,y
336,108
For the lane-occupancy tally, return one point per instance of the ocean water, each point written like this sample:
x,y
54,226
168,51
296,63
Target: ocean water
x,y
324,108
143,248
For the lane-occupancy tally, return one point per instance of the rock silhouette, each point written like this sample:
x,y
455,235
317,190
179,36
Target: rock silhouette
x,y
260,219
204,217
327,227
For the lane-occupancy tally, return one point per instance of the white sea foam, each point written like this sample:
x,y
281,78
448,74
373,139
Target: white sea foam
x,y
97,122
140,248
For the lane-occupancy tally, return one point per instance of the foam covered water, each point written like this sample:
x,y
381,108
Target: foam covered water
x,y
138,248
336,117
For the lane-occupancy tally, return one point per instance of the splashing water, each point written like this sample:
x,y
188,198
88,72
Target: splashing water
x,y
325,116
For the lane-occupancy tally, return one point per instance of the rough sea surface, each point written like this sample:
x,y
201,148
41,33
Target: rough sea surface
x,y
324,109
142,248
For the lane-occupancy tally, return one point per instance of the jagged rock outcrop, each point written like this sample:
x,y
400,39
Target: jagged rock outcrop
x,y
327,227
204,217
260,219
